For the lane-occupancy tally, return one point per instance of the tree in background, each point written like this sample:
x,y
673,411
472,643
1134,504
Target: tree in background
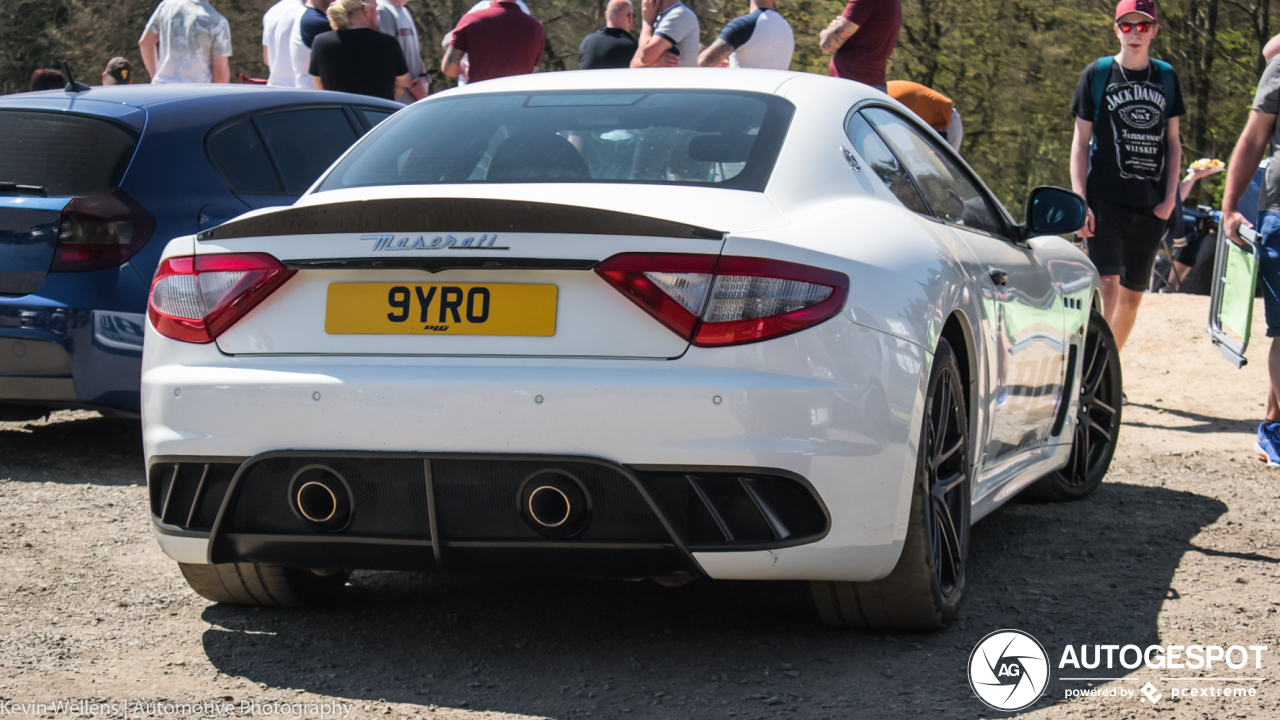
x,y
1011,66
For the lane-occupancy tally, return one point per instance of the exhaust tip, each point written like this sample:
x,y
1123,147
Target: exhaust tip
x,y
554,503
321,498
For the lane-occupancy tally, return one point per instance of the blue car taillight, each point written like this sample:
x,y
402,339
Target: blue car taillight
x,y
100,231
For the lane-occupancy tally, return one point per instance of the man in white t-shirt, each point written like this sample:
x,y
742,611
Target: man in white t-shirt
x,y
277,29
669,36
759,39
395,21
187,41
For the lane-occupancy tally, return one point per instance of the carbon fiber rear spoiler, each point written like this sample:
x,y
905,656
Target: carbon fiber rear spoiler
x,y
421,215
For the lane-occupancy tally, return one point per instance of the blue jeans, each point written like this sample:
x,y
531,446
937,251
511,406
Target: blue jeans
x,y
1269,268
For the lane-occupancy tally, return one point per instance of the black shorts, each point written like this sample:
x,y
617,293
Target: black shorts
x,y
1125,240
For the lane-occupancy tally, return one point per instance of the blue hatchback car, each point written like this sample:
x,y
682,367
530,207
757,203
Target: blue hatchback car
x,y
94,184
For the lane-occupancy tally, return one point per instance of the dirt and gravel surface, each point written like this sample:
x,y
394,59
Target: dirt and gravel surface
x,y
1179,546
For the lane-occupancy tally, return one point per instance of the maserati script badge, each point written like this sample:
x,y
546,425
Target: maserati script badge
x,y
389,243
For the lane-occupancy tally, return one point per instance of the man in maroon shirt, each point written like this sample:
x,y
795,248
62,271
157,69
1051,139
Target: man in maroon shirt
x,y
500,40
863,38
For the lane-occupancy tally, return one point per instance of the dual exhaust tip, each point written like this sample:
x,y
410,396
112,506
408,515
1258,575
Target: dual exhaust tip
x,y
552,502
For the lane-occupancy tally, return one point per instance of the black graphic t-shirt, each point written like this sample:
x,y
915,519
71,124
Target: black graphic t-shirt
x,y
1127,165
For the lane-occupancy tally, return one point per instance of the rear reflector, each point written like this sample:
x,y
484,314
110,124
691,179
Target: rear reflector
x,y
195,299
714,301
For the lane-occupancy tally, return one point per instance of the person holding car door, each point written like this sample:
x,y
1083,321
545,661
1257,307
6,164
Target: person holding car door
x,y
1125,160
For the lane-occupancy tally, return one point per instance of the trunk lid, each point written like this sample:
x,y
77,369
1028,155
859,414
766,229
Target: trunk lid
x,y
28,237
412,275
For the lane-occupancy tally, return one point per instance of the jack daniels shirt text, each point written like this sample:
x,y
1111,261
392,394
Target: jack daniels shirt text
x,y
1127,165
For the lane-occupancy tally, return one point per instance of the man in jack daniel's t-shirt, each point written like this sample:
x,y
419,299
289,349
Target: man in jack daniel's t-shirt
x,y
1125,160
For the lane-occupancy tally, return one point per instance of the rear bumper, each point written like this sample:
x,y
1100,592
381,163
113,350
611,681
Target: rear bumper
x,y
66,346
836,405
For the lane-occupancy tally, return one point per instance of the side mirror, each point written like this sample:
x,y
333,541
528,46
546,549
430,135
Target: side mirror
x,y
1053,211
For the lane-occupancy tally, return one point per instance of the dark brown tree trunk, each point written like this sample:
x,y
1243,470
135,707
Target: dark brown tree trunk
x,y
1204,71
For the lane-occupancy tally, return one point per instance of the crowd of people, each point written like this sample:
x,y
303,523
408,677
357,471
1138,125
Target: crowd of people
x,y
1126,154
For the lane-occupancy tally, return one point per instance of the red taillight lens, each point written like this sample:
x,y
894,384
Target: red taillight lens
x,y
714,301
100,231
195,299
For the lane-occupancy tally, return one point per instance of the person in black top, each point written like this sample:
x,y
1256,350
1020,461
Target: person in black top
x,y
355,56
1125,160
611,46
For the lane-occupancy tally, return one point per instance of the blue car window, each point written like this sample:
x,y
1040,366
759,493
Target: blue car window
x,y
62,153
375,115
304,143
238,155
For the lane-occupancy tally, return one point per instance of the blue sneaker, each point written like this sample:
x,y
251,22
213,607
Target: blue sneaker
x,y
1268,446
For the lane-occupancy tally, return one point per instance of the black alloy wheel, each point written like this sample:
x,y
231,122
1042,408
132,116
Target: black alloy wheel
x,y
947,469
1097,426
924,590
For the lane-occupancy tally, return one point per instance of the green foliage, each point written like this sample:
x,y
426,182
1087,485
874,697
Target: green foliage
x,y
1011,66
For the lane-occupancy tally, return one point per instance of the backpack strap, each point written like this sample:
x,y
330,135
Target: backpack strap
x,y
1166,80
1101,76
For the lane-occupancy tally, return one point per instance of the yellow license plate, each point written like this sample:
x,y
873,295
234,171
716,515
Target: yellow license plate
x,y
440,309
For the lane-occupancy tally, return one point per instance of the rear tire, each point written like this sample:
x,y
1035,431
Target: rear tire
x,y
1097,426
258,584
924,590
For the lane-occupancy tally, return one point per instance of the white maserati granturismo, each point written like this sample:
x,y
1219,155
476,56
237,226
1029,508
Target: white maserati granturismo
x,y
667,324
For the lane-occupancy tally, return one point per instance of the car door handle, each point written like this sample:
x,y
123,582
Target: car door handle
x,y
999,277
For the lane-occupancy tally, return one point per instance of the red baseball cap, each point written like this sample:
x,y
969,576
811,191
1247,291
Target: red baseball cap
x,y
1142,7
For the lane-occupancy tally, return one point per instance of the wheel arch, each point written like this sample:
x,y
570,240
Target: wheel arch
x,y
959,335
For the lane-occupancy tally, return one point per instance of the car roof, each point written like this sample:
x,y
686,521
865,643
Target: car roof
x,y
740,80
152,96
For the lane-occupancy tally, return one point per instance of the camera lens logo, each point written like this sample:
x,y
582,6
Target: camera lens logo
x,y
1008,670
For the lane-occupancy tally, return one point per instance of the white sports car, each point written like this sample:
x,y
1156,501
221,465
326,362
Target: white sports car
x,y
655,324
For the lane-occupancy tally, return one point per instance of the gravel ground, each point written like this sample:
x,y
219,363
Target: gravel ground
x,y
1179,546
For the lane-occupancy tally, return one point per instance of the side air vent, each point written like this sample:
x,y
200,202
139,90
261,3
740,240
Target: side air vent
x,y
188,495
727,511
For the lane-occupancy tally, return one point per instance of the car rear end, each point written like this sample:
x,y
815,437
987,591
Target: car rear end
x,y
67,233
440,360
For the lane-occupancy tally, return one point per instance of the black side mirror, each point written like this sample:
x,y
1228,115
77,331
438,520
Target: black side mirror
x,y
1053,211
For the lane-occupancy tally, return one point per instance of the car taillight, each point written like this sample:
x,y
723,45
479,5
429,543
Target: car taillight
x,y
100,231
714,301
195,299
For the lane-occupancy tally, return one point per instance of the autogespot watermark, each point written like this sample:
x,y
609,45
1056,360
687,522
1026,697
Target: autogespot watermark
x,y
1009,670
184,709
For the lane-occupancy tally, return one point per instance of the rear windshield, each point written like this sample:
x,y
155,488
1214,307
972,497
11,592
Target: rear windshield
x,y
720,139
67,155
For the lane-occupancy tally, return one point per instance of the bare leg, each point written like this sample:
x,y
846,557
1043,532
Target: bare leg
x,y
1119,307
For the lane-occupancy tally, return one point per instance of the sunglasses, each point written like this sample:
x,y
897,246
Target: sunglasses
x,y
1128,27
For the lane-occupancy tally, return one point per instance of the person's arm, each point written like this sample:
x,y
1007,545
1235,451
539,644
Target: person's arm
x,y
319,85
1173,161
716,54
266,57
147,46
650,46
1080,170
221,69
1244,163
451,65
836,34
421,87
1271,49
1194,175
